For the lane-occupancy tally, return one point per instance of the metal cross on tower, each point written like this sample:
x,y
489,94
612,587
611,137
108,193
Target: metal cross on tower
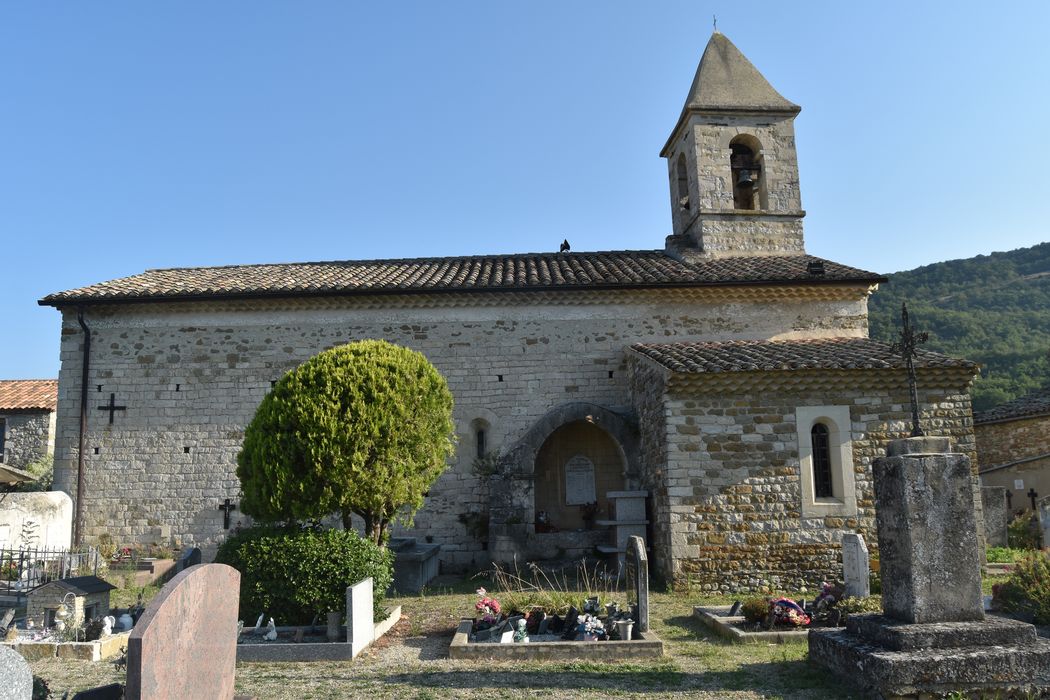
x,y
112,407
906,347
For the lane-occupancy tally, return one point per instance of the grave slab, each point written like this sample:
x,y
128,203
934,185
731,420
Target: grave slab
x,y
185,644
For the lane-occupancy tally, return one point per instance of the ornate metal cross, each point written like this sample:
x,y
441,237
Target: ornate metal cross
x,y
906,347
1032,495
226,507
112,407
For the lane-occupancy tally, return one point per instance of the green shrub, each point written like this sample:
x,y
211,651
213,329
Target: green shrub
x,y
1006,555
852,605
755,609
296,574
1023,531
1027,591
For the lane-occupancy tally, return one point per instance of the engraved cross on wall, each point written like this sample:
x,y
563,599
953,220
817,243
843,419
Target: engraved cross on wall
x,y
112,407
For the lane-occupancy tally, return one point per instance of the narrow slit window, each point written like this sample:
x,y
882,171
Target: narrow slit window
x,y
683,183
822,483
480,443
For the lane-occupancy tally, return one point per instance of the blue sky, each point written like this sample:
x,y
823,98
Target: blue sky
x,y
140,135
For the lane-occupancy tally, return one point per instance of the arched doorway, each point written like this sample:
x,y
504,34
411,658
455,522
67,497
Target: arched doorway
x,y
575,467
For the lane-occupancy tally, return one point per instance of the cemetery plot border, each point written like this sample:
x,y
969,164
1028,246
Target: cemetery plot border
x,y
716,618
311,651
98,650
646,646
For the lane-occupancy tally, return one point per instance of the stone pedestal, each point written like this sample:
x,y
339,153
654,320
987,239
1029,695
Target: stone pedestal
x,y
933,637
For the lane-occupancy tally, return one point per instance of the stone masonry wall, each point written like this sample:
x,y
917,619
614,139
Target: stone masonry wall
x,y
29,437
650,405
733,481
1009,441
191,376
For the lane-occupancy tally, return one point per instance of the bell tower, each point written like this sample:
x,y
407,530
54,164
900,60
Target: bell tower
x,y
731,162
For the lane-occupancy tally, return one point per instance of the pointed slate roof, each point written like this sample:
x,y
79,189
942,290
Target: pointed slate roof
x,y
726,81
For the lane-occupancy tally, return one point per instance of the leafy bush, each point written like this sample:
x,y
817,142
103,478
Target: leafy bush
x,y
755,609
296,574
362,428
1027,591
852,605
1006,555
1023,531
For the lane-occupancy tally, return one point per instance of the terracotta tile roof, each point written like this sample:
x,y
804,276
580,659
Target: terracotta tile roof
x,y
483,273
1036,403
21,394
787,355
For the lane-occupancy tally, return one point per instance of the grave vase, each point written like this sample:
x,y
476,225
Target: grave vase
x,y
624,628
334,631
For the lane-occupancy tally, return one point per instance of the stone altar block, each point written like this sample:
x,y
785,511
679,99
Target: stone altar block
x,y
933,637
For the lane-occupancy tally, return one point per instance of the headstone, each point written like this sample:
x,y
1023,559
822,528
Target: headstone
x,y
1044,519
185,643
17,677
996,515
191,556
638,580
930,564
855,565
5,620
360,623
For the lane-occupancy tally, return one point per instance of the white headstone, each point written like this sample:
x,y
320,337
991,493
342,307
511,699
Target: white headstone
x,y
855,567
360,623
579,481
1044,519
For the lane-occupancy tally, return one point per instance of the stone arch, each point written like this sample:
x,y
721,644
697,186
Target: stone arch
x,y
521,459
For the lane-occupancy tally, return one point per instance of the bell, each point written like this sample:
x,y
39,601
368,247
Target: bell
x,y
744,180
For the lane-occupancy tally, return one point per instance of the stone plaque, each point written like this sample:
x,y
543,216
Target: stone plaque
x,y
185,644
579,481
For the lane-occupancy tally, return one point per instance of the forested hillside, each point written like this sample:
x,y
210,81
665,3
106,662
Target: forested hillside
x,y
993,309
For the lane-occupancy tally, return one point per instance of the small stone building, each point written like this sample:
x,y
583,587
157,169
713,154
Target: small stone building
x,y
89,599
27,420
1013,447
728,376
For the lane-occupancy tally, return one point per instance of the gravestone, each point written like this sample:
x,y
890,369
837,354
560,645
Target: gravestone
x,y
185,643
933,638
996,515
191,556
579,481
1044,520
855,566
360,625
16,679
638,580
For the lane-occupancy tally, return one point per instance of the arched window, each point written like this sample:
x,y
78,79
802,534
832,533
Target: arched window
x,y
683,182
745,172
823,485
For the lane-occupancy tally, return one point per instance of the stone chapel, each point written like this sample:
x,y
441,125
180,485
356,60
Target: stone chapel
x,y
727,378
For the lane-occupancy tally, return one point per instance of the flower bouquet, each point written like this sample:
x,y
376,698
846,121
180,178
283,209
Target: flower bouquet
x,y
788,612
488,610
589,628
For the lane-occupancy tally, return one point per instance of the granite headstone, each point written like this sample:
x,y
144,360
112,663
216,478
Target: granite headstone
x,y
996,515
638,580
17,677
185,644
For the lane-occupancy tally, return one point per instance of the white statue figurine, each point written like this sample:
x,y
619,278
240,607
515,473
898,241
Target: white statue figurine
x,y
521,635
258,623
271,632
107,625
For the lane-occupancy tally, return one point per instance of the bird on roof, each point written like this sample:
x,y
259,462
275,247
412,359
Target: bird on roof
x,y
564,246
